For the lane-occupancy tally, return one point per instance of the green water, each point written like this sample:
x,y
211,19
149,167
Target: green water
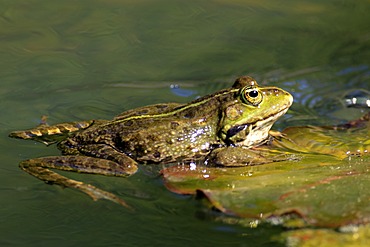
x,y
73,60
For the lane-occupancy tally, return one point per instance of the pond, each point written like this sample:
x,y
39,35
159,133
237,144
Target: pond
x,y
79,60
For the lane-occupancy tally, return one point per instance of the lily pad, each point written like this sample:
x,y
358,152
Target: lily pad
x,y
353,236
326,187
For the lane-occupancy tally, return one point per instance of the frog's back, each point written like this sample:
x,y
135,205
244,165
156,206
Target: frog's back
x,y
148,110
168,132
182,132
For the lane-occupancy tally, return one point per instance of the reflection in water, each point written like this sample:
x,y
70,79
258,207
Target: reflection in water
x,y
358,98
177,90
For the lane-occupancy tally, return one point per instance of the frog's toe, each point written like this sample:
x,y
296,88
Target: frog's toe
x,y
97,194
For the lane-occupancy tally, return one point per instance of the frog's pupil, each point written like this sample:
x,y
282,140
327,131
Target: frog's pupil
x,y
253,93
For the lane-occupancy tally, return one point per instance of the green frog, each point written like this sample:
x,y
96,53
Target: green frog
x,y
240,116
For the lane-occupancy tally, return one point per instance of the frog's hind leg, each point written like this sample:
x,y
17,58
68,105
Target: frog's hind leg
x,y
48,134
40,168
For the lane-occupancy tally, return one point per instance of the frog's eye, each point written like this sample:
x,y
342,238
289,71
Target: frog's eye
x,y
251,96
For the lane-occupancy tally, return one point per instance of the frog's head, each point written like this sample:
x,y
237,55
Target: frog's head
x,y
247,119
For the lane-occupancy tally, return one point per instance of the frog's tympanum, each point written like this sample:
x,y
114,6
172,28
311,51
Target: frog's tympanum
x,y
240,116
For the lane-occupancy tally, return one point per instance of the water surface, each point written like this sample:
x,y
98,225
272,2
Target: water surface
x,y
73,60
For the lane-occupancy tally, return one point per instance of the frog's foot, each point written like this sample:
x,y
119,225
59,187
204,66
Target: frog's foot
x,y
277,134
44,132
39,168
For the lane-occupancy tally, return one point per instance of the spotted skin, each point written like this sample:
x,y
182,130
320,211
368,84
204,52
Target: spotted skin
x,y
240,116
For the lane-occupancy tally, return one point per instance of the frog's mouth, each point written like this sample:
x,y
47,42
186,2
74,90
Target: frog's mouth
x,y
254,133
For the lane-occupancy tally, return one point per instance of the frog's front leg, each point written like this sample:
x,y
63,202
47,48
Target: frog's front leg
x,y
118,164
241,156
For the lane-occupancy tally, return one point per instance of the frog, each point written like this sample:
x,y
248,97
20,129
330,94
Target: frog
x,y
239,116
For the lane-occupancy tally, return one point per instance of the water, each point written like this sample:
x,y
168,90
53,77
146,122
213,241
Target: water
x,y
73,60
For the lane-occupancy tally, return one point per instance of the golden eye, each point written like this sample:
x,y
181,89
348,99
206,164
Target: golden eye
x,y
251,96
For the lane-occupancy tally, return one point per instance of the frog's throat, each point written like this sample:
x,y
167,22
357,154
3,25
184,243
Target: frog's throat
x,y
258,132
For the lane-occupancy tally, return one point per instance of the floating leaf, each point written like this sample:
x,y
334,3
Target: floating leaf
x,y
326,187
353,236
